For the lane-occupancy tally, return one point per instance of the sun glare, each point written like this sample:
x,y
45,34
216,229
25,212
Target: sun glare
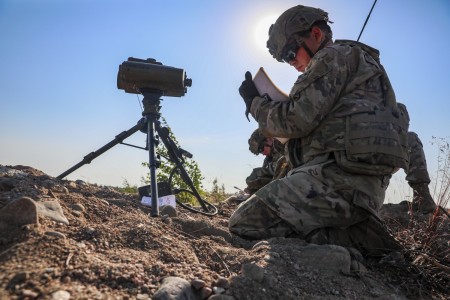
x,y
262,31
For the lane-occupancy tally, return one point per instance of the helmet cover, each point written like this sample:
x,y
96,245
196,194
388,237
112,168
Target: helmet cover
x,y
255,141
296,19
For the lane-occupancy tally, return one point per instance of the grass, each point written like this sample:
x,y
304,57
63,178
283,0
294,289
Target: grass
x,y
426,238
441,185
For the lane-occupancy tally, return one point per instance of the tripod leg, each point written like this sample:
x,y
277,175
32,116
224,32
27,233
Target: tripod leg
x,y
91,156
175,156
152,165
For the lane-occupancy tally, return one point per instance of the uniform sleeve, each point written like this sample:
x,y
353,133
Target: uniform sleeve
x,y
311,99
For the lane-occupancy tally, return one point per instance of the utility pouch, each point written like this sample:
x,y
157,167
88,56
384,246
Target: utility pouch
x,y
376,143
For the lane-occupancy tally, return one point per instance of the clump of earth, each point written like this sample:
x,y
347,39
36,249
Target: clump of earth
x,y
63,239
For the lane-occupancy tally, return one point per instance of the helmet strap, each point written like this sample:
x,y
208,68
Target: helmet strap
x,y
324,42
310,53
321,46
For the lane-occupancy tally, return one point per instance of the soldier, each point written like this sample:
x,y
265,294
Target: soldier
x,y
417,176
417,172
347,137
274,165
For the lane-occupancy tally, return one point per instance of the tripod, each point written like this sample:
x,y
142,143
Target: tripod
x,y
150,123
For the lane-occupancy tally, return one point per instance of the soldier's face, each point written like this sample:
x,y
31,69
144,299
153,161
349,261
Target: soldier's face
x,y
267,150
302,58
267,146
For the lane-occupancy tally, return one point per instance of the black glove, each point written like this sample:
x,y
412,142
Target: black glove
x,y
248,91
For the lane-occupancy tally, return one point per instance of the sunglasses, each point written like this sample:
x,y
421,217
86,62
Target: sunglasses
x,y
291,52
261,147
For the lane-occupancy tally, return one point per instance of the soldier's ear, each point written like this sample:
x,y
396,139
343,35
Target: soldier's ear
x,y
317,34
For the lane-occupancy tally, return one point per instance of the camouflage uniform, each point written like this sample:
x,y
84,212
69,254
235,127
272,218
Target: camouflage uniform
x,y
326,197
274,165
417,171
418,177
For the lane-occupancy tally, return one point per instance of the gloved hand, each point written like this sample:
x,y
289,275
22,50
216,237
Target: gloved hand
x,y
248,91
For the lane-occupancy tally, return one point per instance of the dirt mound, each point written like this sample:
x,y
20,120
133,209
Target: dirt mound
x,y
71,240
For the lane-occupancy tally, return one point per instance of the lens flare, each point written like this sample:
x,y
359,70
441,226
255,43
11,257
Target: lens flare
x,y
261,32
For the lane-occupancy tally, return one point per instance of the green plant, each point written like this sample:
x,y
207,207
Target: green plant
x,y
166,166
217,193
128,188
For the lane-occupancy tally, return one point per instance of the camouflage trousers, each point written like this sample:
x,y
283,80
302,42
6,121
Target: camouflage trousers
x,y
257,179
263,175
321,204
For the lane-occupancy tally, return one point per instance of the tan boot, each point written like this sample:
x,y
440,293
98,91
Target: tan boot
x,y
422,200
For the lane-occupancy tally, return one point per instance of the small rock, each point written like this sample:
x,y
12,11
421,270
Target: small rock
x,y
52,210
330,258
269,258
205,292
166,219
72,184
166,238
174,288
223,283
77,213
19,278
168,210
218,290
56,234
29,294
104,201
20,212
78,207
61,295
253,271
60,189
197,283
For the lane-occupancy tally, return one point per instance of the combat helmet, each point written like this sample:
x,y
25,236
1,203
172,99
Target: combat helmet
x,y
296,19
255,142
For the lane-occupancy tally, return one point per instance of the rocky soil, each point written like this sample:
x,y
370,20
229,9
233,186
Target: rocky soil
x,y
72,240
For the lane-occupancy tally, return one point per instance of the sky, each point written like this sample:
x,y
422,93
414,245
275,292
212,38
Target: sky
x,y
59,60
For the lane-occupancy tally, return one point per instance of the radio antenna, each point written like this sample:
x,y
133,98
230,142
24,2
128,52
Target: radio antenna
x,y
367,19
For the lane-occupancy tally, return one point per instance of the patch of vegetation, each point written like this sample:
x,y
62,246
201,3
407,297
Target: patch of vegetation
x,y
127,188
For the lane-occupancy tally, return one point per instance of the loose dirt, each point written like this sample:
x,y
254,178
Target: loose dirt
x,y
111,248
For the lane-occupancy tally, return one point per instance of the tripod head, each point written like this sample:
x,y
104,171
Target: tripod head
x,y
151,102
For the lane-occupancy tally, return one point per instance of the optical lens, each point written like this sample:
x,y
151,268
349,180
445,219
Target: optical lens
x,y
291,52
261,148
290,56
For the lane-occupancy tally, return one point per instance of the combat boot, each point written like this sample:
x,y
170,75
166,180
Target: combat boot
x,y
422,200
370,237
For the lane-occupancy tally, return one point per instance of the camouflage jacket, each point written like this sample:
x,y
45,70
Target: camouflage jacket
x,y
342,79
